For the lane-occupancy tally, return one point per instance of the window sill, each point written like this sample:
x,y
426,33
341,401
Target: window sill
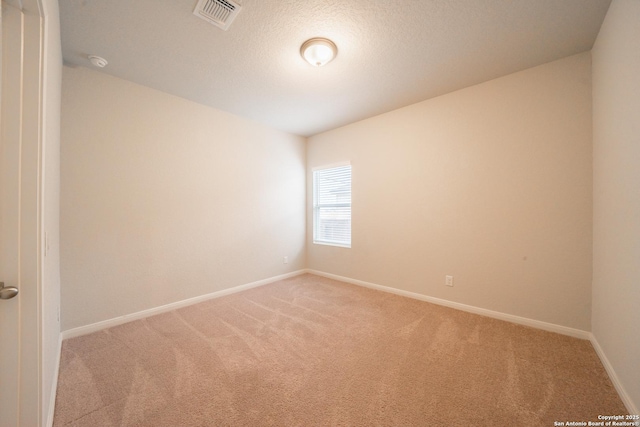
x,y
340,245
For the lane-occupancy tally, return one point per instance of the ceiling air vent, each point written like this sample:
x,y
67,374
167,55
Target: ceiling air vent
x,y
220,13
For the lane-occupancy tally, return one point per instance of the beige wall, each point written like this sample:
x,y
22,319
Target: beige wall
x,y
616,192
490,184
163,199
51,202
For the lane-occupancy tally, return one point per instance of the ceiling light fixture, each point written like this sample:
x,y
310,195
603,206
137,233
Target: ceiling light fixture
x,y
318,51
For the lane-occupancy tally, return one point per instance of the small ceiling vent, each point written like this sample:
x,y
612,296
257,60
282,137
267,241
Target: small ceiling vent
x,y
220,13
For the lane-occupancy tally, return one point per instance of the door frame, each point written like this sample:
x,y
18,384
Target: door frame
x,y
30,251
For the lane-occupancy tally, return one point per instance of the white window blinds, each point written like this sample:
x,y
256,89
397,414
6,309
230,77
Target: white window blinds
x,y
332,206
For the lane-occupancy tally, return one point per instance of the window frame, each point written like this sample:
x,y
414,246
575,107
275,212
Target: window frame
x,y
317,206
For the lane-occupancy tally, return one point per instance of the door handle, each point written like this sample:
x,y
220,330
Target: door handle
x,y
8,292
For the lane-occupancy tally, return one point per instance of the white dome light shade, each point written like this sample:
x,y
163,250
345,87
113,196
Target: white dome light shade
x,y
318,51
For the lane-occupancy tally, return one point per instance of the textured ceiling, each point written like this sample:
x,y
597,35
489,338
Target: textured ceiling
x,y
390,53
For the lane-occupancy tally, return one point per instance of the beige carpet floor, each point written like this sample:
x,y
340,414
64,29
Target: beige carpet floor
x,y
309,351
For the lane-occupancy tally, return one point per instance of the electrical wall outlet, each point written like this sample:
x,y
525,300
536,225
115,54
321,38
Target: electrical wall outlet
x,y
448,280
285,260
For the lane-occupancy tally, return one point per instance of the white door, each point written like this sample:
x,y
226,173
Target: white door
x,y
20,213
11,122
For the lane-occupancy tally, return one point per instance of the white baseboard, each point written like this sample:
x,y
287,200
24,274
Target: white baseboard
x,y
622,392
94,327
54,386
551,327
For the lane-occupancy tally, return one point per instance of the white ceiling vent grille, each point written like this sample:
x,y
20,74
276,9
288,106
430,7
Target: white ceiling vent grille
x,y
220,13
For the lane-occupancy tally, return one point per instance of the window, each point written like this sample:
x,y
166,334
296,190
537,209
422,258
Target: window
x,y
332,205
